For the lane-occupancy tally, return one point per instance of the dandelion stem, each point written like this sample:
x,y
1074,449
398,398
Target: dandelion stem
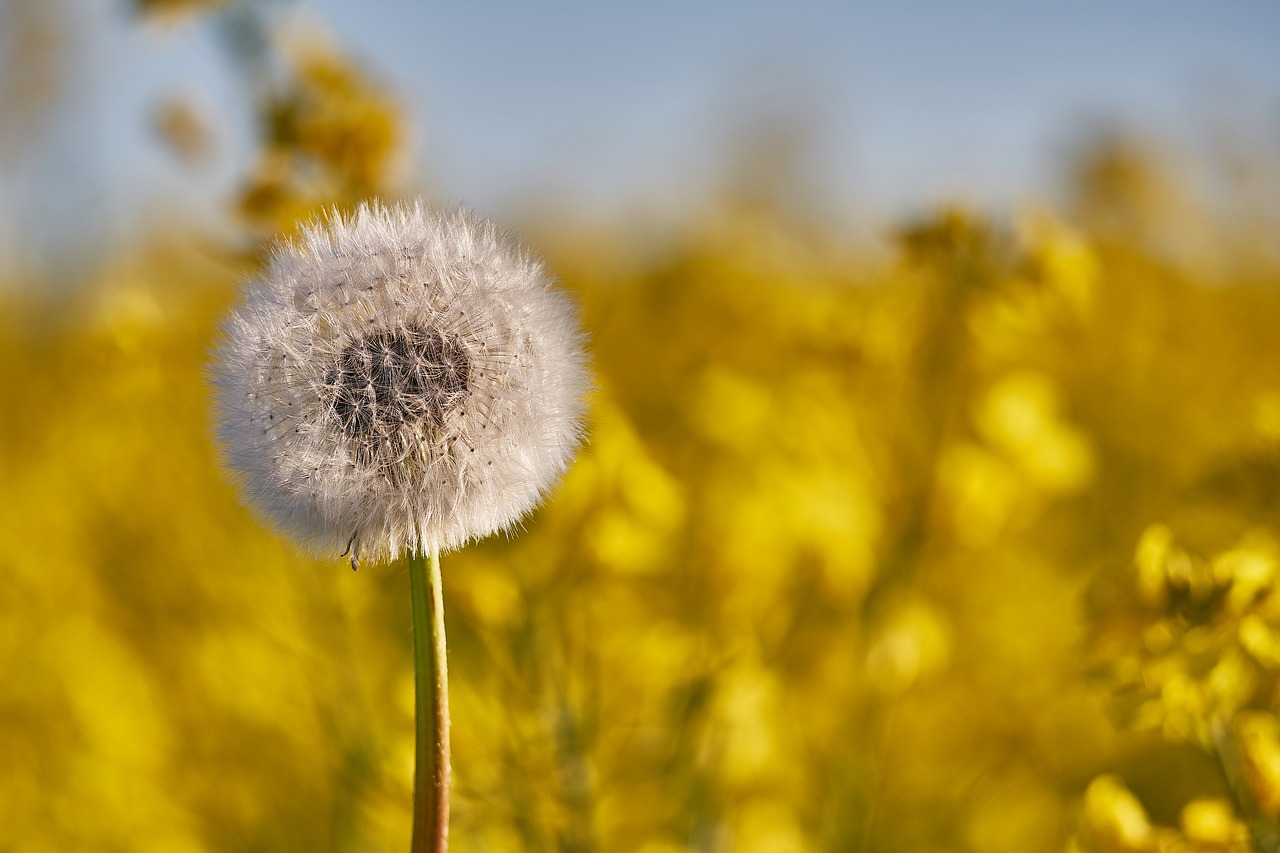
x,y
431,685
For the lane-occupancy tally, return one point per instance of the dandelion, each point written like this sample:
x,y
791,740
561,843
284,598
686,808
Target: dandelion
x,y
402,382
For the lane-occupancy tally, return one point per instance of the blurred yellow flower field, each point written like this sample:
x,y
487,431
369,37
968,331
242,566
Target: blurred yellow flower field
x,y
976,548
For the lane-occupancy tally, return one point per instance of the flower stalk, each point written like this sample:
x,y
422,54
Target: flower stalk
x,y
431,688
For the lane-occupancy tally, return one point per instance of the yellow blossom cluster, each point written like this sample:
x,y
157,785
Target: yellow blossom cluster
x,y
847,563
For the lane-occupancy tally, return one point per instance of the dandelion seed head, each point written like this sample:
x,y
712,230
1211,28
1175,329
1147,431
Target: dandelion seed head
x,y
399,380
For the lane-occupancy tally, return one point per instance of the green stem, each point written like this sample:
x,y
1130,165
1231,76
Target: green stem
x,y
431,686
1266,838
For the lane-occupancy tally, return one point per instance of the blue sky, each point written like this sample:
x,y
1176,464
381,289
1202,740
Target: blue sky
x,y
908,100
605,107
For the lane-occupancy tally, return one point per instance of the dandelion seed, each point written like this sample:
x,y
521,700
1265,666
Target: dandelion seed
x,y
399,381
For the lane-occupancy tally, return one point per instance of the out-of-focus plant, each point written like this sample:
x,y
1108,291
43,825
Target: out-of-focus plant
x,y
1192,649
814,585
328,135
175,8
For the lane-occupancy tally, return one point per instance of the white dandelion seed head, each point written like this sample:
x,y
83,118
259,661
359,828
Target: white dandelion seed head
x,y
399,380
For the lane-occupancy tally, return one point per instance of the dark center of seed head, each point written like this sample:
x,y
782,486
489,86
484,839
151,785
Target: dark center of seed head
x,y
395,379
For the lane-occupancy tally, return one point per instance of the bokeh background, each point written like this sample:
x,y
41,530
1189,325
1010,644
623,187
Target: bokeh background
x,y
932,500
